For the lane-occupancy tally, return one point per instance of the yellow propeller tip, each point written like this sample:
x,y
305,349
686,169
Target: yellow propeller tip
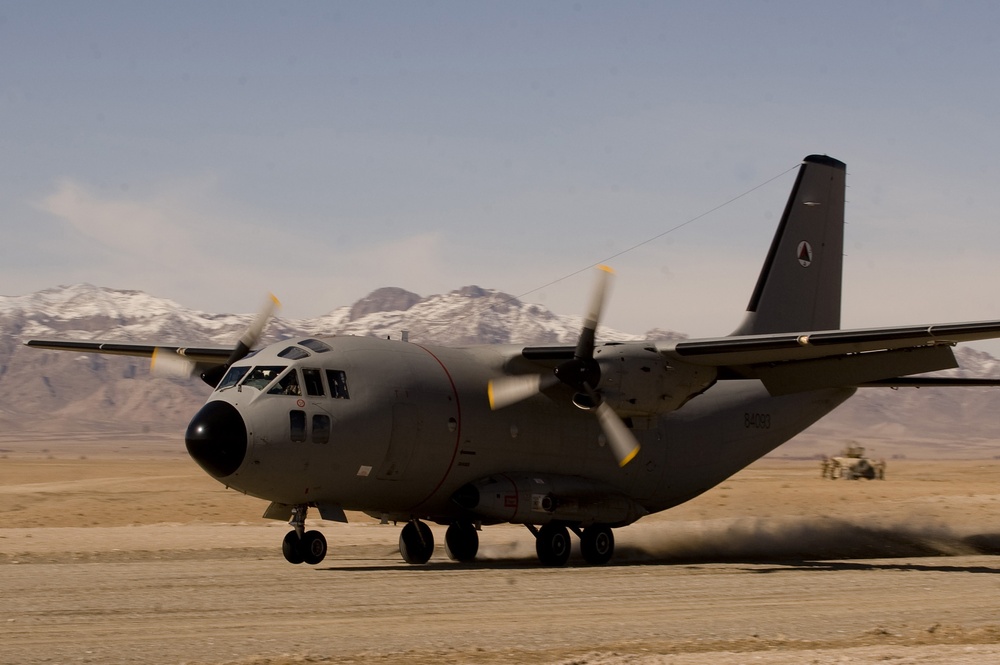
x,y
607,269
629,457
274,299
489,393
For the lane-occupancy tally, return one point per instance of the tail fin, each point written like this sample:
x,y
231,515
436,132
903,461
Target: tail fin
x,y
799,286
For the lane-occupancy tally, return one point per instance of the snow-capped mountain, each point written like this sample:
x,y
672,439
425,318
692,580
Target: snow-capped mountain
x,y
43,391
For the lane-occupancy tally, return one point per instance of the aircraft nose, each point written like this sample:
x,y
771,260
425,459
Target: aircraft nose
x,y
217,438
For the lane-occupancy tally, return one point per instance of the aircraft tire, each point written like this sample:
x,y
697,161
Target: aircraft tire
x,y
461,542
552,545
597,544
290,547
416,542
312,547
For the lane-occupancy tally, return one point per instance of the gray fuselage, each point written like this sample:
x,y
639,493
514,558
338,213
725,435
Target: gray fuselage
x,y
411,426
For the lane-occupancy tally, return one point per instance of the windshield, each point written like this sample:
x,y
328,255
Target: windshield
x,y
262,375
232,377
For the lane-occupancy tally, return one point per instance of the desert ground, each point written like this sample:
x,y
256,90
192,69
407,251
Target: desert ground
x,y
121,550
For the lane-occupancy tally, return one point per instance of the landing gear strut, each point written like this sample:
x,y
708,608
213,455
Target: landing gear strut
x,y
299,545
416,542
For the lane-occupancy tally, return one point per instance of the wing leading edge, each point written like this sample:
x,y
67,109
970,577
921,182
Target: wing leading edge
x,y
208,356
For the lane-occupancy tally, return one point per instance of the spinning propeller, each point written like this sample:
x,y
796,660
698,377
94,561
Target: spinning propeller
x,y
582,374
167,362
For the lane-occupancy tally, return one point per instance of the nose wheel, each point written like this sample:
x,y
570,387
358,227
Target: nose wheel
x,y
301,546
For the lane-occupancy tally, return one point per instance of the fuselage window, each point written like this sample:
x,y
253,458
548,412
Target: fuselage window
x,y
288,385
233,377
321,428
294,353
315,345
263,375
314,382
337,379
297,425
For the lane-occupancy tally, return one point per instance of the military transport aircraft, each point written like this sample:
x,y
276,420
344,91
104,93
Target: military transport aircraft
x,y
577,439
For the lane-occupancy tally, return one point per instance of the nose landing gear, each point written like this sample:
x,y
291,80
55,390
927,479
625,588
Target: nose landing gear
x,y
301,546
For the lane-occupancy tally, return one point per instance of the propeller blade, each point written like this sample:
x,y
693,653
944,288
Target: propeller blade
x,y
509,390
585,345
247,341
252,334
166,362
623,443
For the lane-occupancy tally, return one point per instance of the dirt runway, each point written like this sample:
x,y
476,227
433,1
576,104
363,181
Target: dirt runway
x,y
145,560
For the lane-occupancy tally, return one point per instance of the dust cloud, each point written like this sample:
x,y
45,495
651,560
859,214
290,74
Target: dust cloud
x,y
766,539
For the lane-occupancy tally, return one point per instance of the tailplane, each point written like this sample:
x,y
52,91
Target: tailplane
x,y
799,287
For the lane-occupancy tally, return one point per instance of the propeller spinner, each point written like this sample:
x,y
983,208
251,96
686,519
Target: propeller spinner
x,y
582,374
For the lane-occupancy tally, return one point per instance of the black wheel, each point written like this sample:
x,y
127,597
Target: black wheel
x,y
312,547
553,545
461,542
597,544
416,542
290,548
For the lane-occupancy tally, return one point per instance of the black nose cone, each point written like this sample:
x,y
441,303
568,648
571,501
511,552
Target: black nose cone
x,y
217,439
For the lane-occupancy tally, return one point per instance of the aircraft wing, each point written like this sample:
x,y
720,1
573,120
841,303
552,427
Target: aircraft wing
x,y
779,347
794,362
207,356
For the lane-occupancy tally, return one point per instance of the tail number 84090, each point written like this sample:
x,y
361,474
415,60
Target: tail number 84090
x,y
757,420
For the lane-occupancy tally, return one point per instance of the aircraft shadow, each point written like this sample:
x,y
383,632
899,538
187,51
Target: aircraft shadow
x,y
782,555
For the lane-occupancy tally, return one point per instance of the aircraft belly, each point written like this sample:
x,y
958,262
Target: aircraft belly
x,y
728,428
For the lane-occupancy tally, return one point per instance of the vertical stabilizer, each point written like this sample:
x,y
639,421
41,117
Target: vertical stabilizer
x,y
799,286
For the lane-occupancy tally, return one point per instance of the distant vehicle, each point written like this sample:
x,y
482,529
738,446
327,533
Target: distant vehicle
x,y
852,465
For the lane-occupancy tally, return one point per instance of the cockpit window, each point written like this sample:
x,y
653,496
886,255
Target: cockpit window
x,y
315,345
233,377
288,385
294,353
314,382
337,379
263,375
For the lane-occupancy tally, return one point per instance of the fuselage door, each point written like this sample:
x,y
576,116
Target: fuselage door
x,y
406,427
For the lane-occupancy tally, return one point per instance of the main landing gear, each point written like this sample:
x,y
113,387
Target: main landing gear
x,y
301,546
553,544
416,542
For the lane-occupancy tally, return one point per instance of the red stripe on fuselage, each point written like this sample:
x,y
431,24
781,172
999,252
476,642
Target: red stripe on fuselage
x,y
458,429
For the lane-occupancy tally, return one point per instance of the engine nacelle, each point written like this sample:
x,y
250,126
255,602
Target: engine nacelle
x,y
636,380
543,499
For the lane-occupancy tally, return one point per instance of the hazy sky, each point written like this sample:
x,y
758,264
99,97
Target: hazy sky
x,y
211,151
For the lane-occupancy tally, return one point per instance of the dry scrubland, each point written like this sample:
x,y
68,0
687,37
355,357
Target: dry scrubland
x,y
122,550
